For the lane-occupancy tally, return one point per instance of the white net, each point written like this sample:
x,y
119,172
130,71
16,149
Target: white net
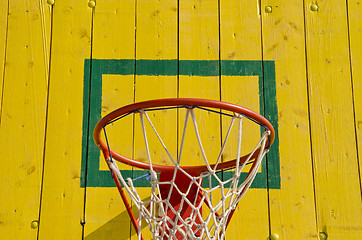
x,y
185,204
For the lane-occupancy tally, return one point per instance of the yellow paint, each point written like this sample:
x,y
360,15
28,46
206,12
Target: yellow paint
x,y
208,127
117,91
274,236
62,198
114,36
198,24
165,124
292,211
355,31
45,15
208,124
51,2
3,31
199,40
23,116
268,9
105,211
241,40
319,92
91,4
156,39
106,217
322,236
245,92
34,224
114,29
314,7
199,31
240,30
156,29
336,174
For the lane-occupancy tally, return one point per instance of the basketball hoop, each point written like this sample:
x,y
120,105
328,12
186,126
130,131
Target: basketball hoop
x,y
182,198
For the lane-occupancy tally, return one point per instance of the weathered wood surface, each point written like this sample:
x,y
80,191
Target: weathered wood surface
x,y
65,65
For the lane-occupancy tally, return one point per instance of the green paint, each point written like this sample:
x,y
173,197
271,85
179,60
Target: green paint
x,y
271,113
95,68
156,67
85,120
199,68
241,68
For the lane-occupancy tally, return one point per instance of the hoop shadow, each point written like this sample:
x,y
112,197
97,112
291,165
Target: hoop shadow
x,y
112,229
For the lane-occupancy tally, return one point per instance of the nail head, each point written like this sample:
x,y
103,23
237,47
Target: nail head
x,y
314,7
34,224
322,236
268,9
274,236
91,4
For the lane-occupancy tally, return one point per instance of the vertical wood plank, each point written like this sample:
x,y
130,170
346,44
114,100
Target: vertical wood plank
x,y
240,30
105,214
199,46
156,39
113,38
4,7
331,113
199,40
23,116
62,202
292,211
355,39
241,40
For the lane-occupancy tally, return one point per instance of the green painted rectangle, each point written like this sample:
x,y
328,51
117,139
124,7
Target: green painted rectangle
x,y
94,69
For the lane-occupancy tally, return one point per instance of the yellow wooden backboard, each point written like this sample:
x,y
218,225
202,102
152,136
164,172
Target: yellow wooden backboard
x,y
66,63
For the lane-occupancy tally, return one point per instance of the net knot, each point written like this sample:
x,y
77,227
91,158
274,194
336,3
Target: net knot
x,y
154,179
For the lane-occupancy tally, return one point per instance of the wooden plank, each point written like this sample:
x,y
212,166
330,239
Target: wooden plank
x,y
156,39
105,214
199,48
292,212
23,116
331,112
114,30
113,38
233,89
62,203
4,8
355,38
240,34
199,40
241,40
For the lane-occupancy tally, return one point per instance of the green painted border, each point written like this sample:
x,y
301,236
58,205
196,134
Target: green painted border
x,y
92,96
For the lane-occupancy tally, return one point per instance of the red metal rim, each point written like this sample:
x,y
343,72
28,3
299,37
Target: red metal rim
x,y
177,102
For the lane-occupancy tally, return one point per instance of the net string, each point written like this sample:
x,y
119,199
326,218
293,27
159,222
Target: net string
x,y
158,221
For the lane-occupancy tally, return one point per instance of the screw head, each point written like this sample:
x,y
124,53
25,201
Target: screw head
x,y
91,4
50,2
314,7
274,236
268,9
34,224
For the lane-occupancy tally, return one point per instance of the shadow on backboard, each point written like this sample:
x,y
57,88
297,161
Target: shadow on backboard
x,y
119,228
